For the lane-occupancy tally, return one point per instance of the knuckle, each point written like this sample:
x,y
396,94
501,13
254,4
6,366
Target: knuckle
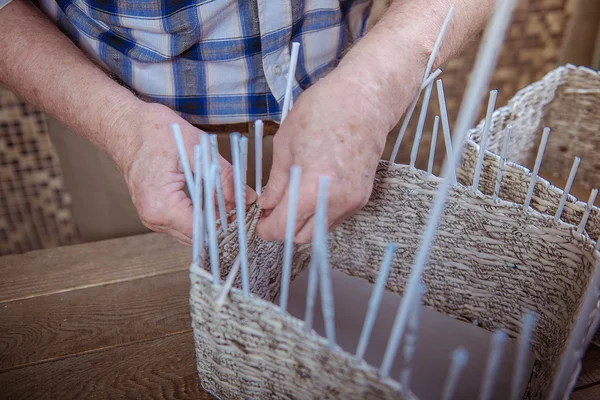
x,y
149,214
356,200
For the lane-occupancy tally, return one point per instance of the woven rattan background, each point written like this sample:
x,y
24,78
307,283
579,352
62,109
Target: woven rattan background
x,y
34,205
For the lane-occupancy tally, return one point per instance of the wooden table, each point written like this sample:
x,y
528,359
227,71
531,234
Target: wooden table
x,y
111,320
105,319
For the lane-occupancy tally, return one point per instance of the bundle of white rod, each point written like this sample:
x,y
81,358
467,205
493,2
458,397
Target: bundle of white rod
x,y
477,244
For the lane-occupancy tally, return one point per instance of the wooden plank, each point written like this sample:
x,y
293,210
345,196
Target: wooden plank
x,y
587,393
161,368
62,269
64,324
590,372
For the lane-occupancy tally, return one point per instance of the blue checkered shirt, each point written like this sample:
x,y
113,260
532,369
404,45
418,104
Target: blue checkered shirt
x,y
212,61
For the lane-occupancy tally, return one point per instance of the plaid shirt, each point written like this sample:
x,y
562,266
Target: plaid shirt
x,y
213,61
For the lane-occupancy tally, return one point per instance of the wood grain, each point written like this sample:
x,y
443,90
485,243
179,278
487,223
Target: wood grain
x,y
68,323
588,393
159,369
590,373
62,269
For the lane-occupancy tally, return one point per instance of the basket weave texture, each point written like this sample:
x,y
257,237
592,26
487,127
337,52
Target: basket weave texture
x,y
490,262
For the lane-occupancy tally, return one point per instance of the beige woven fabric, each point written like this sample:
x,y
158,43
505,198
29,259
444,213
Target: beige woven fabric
x,y
491,262
568,101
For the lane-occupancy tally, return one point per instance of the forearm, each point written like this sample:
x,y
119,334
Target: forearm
x,y
389,62
44,67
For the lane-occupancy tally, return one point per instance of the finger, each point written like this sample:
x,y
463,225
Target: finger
x,y
179,215
179,237
272,227
172,215
305,234
273,224
278,181
333,226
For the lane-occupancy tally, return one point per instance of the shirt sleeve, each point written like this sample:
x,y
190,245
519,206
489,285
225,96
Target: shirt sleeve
x,y
3,3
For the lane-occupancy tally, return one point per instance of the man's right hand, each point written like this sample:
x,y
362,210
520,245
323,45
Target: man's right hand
x,y
144,149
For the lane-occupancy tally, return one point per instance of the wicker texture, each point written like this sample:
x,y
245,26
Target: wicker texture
x,y
568,101
490,263
575,132
35,209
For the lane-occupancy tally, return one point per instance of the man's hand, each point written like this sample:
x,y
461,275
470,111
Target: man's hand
x,y
339,126
147,156
330,131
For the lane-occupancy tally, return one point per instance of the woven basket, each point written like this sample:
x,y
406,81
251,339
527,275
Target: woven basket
x,y
490,262
568,101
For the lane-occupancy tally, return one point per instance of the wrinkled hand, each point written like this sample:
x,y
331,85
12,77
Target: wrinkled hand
x,y
334,130
148,159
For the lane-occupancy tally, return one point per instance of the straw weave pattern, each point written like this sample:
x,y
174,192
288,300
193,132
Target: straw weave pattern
x,y
491,261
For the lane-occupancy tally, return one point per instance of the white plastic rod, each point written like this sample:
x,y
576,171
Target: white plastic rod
x,y
480,77
375,300
520,370
258,154
588,210
493,364
209,195
432,77
593,327
240,209
484,138
536,168
321,226
460,358
399,328
198,226
438,41
421,124
214,147
244,162
446,128
565,195
313,281
290,80
290,230
404,127
507,136
229,281
411,109
183,157
434,135
210,170
410,341
578,333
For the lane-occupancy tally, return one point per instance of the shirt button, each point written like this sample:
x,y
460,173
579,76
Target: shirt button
x,y
277,70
